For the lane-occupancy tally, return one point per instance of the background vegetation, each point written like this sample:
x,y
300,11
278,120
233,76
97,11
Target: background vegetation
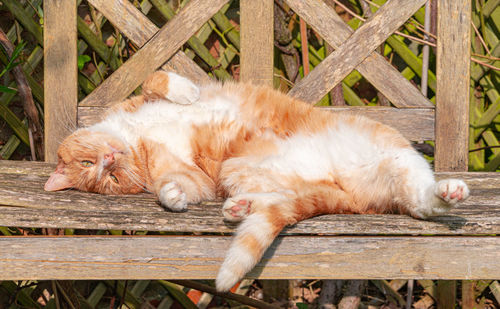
x,y
102,49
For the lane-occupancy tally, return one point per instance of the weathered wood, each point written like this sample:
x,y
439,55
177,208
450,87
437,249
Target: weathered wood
x,y
60,73
452,94
292,257
374,68
352,52
24,203
257,43
157,50
139,29
416,124
446,294
468,297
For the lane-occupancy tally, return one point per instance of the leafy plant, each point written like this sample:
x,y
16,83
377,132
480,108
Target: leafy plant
x,y
11,64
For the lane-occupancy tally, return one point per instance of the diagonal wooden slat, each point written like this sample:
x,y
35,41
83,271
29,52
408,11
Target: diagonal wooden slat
x,y
375,68
139,29
358,49
154,53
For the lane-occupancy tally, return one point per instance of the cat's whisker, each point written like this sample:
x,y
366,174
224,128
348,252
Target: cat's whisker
x,y
135,178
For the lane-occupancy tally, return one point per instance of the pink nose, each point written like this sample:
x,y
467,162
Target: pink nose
x,y
109,159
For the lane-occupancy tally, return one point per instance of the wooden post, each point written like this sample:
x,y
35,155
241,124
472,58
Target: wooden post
x,y
256,23
453,75
60,73
447,294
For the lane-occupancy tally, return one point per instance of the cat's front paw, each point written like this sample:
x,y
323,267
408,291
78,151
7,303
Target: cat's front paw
x,y
451,191
172,198
182,90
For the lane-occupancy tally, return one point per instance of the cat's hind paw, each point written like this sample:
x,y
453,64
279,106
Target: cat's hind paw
x,y
451,191
236,209
172,198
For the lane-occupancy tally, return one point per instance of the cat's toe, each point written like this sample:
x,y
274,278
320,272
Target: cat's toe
x,y
172,198
452,191
236,209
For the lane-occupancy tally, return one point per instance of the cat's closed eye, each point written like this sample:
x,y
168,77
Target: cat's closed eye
x,y
87,163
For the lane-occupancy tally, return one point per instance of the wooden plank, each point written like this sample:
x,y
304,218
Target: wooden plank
x,y
23,203
257,41
468,297
139,29
157,50
60,73
416,124
452,93
446,294
352,52
292,257
374,68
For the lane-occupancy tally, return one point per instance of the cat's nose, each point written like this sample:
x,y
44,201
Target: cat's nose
x,y
109,159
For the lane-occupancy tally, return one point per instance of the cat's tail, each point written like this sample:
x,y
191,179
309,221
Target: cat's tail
x,y
268,214
254,235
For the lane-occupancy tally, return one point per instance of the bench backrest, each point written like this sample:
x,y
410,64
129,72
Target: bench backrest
x,y
414,115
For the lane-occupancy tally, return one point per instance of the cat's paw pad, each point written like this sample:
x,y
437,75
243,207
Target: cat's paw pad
x,y
182,90
235,209
171,197
451,191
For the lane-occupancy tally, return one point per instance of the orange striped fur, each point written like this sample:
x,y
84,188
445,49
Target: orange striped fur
x,y
276,159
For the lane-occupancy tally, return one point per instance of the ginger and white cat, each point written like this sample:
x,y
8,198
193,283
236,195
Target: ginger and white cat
x,y
277,160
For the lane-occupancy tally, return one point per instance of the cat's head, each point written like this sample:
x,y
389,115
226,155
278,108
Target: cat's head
x,y
96,162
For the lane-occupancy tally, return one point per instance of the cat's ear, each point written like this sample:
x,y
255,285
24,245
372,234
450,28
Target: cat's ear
x,y
58,181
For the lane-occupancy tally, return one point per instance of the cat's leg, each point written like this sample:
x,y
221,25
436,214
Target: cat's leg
x,y
176,189
271,212
266,201
170,86
129,105
174,181
420,194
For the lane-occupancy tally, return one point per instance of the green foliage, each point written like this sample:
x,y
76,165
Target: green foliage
x,y
11,64
82,60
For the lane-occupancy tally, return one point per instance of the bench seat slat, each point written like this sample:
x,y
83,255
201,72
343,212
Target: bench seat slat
x,y
23,203
184,257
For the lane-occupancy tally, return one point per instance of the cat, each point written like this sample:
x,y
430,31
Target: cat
x,y
275,159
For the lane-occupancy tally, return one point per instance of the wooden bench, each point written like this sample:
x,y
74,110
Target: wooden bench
x,y
461,245
464,244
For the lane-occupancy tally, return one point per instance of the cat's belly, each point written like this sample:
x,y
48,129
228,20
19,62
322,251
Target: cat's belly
x,y
325,155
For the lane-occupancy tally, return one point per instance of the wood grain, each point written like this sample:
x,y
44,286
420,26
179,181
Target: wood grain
x,y
60,73
154,53
353,51
380,73
416,124
291,257
139,29
24,203
257,43
452,93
